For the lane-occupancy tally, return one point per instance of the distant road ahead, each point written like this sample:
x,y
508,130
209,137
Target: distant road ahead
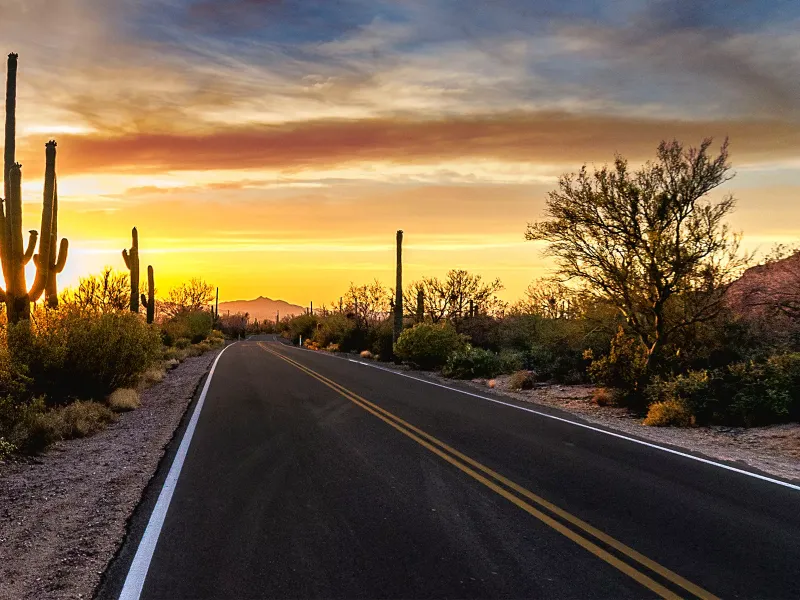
x,y
312,476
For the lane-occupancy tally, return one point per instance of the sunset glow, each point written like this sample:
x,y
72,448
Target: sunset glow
x,y
274,147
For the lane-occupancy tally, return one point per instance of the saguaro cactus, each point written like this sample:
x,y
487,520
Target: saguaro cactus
x,y
149,301
58,258
132,262
420,306
398,290
17,296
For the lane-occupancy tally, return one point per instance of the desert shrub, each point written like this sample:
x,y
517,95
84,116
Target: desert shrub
x,y
668,413
428,346
29,426
623,369
336,329
6,448
123,399
519,332
71,354
332,348
366,354
152,376
175,354
511,361
302,325
198,349
521,380
602,397
470,362
482,331
195,325
745,393
17,421
182,343
380,338
80,419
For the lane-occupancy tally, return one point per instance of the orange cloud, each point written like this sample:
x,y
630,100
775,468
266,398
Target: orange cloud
x,y
542,137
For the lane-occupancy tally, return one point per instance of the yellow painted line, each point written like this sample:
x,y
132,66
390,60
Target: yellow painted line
x,y
420,437
586,527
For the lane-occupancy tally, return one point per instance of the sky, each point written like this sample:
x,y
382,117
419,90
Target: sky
x,y
274,147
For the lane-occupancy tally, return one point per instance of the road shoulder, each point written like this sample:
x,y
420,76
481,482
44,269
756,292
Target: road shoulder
x,y
65,513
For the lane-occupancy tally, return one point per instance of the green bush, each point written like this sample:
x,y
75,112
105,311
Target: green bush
x,y
623,369
669,413
336,329
194,325
73,355
302,325
745,393
29,426
470,362
380,339
511,361
428,346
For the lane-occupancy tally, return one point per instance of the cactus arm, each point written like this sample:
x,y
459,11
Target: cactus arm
x,y
127,259
144,300
45,240
63,250
32,239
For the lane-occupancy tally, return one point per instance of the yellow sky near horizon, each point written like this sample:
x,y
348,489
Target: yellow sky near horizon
x,y
274,148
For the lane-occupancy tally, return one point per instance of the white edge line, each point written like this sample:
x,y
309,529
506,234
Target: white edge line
x,y
134,581
576,423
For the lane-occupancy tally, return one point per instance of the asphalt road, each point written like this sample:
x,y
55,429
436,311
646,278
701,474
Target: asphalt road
x,y
310,476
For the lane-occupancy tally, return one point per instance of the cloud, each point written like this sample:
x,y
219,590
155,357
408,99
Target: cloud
x,y
538,138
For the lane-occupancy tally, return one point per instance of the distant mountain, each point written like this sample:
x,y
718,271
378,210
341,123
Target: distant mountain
x,y
261,308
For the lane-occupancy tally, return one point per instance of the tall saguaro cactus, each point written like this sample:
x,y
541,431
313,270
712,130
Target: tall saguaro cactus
x,y
420,306
132,262
398,290
14,257
149,301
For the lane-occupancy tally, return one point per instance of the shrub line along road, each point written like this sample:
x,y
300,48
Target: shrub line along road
x,y
300,475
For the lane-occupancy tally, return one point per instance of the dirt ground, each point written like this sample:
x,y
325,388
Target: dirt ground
x,y
63,514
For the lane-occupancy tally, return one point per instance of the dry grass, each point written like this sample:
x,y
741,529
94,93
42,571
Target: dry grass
x,y
171,363
521,380
669,412
152,376
602,397
124,399
366,354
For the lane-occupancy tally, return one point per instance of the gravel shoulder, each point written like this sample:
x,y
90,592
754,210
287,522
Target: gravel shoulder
x,y
63,514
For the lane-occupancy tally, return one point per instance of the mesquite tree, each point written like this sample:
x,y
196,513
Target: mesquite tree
x,y
650,242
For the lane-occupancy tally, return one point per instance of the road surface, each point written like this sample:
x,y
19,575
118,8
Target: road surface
x,y
311,476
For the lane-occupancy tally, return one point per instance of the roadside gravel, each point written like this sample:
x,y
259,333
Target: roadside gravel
x,y
63,514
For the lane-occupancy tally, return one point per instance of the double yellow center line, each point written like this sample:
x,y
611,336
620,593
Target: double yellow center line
x,y
523,498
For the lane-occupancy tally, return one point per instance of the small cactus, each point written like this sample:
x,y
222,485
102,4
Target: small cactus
x,y
420,306
132,262
149,301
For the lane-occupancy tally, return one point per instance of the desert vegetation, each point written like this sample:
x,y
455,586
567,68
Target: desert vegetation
x,y
70,363
651,299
